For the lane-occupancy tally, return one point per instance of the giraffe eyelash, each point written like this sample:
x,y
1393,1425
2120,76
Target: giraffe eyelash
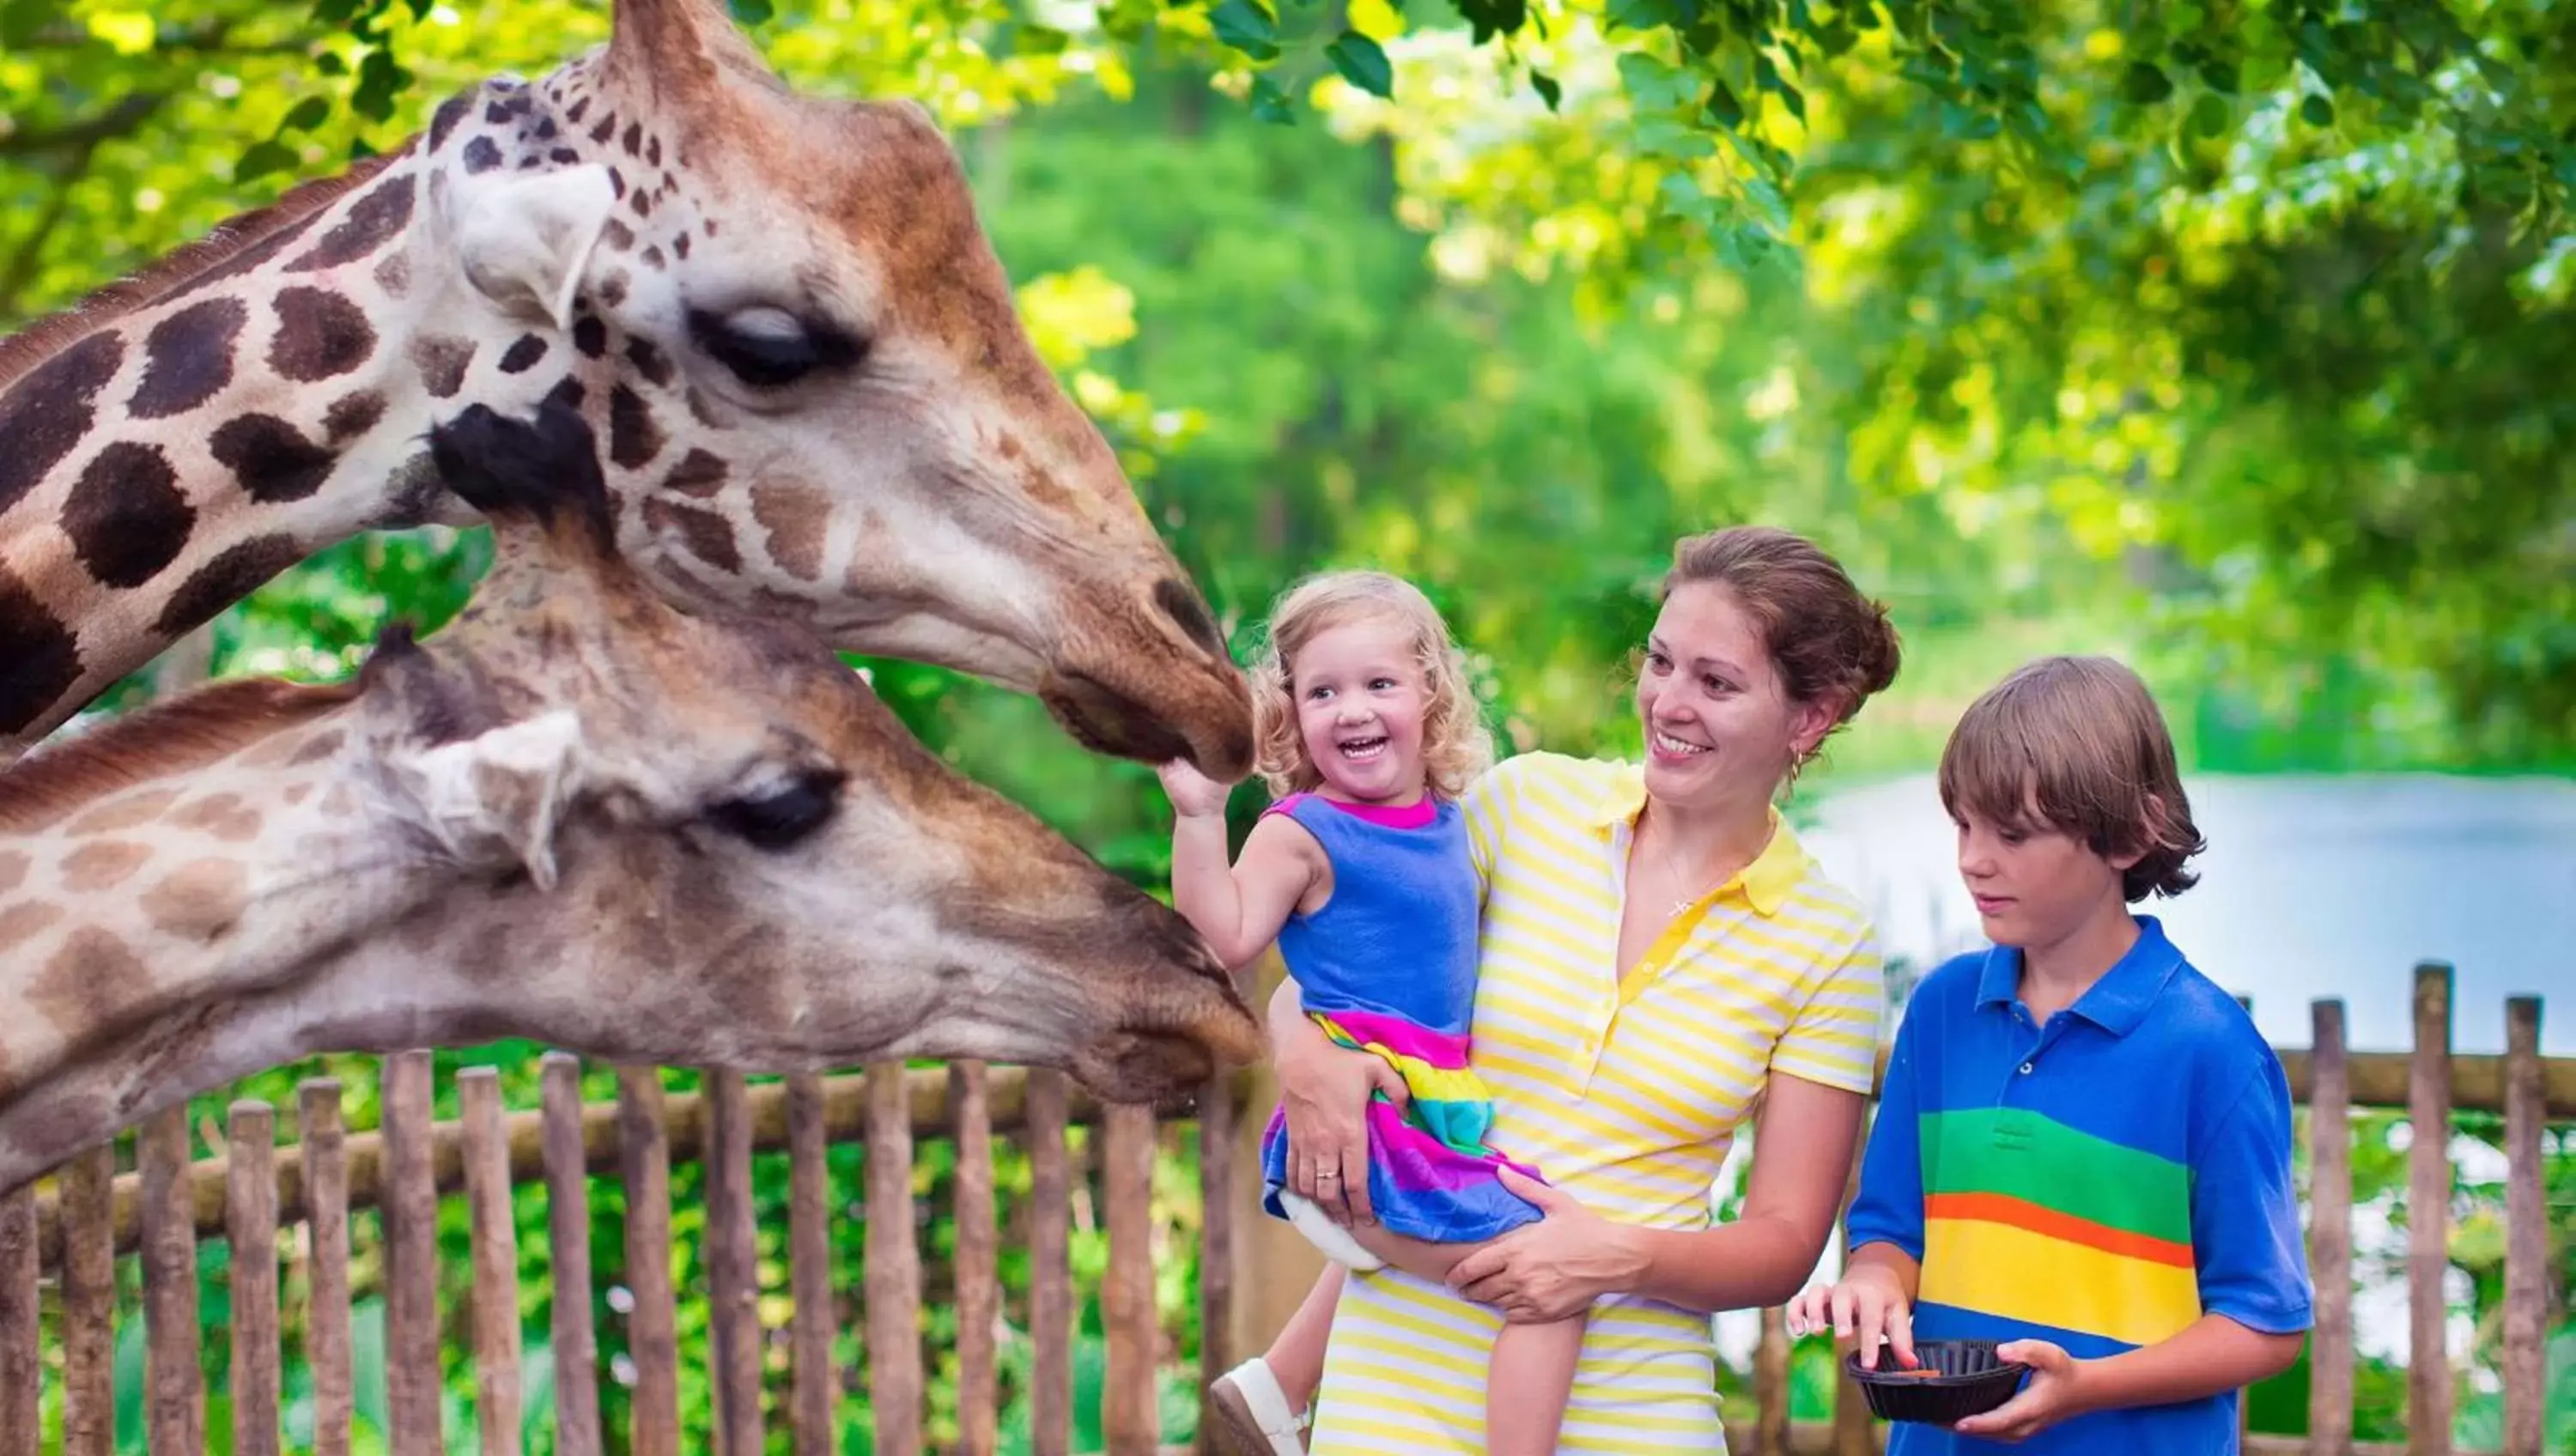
x,y
766,360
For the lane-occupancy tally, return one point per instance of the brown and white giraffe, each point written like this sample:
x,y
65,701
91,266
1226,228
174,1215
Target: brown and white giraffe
x,y
578,815
779,311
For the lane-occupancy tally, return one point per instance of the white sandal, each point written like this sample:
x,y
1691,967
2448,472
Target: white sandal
x,y
1256,1418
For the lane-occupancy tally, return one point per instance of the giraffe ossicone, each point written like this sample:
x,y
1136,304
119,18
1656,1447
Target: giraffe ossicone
x,y
578,815
779,313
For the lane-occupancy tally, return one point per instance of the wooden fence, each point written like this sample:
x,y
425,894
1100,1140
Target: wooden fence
x,y
73,1232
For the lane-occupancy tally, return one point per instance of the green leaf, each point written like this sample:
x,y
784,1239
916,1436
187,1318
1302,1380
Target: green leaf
x,y
1489,18
1247,26
753,12
2210,115
2144,85
1651,84
262,158
2317,111
1270,104
1546,87
305,115
1039,40
1722,106
1363,63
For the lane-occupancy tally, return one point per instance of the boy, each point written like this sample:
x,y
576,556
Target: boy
x,y
2083,1148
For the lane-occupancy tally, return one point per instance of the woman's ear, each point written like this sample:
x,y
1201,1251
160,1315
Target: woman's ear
x,y
1809,722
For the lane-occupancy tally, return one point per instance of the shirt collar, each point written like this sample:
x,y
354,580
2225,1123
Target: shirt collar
x,y
1765,883
2117,1002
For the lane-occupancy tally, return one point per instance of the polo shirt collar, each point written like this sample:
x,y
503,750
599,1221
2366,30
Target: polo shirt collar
x,y
2117,1002
1765,884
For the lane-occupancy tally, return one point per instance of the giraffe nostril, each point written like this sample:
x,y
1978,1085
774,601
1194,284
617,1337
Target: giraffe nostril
x,y
1185,609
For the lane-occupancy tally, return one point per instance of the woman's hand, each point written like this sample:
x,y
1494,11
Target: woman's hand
x,y
1324,1095
1868,1306
1552,1269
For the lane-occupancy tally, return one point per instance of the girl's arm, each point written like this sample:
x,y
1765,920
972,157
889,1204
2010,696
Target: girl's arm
x,y
1237,910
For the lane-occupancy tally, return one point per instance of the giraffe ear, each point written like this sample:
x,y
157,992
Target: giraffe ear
x,y
493,801
525,240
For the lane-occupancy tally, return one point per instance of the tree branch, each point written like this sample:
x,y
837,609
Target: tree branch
x,y
122,119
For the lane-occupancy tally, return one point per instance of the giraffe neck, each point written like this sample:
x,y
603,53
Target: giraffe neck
x,y
135,922
228,417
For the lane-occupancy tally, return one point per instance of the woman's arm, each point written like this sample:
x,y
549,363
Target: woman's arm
x,y
1324,1094
1802,1154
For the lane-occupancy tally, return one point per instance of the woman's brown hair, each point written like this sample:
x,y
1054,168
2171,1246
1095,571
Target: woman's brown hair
x,y
2077,745
1829,643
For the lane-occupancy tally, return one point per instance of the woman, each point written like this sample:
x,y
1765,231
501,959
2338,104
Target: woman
x,y
1657,953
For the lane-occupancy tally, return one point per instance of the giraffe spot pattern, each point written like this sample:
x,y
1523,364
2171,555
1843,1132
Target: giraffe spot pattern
x,y
634,139
47,413
702,533
617,235
319,334
680,245
372,221
201,900
124,812
39,657
91,979
580,107
641,201
794,516
653,256
482,154
442,359
13,870
450,112
22,923
567,392
231,576
617,188
633,438
319,747
590,336
699,473
653,151
612,289
103,864
353,414
393,275
256,256
295,794
271,458
523,354
226,816
126,516
607,128
340,802
650,362
188,357
563,156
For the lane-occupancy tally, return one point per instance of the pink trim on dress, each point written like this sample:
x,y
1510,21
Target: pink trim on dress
x,y
1388,816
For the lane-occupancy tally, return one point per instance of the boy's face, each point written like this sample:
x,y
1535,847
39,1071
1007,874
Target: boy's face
x,y
2035,885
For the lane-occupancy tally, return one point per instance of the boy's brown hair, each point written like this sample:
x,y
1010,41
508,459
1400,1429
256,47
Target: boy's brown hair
x,y
2078,745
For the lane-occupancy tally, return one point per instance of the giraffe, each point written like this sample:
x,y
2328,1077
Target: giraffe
x,y
780,311
577,814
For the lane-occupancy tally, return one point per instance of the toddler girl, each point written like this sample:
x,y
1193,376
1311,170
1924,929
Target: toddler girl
x,y
1361,873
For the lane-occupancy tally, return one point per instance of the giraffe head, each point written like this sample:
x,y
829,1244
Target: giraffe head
x,y
818,397
577,814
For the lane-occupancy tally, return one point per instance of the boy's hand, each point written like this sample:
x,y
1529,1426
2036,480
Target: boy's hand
x,y
2054,1392
1868,1305
1193,794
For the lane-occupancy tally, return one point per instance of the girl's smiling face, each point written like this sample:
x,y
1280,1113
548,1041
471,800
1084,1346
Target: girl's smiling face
x,y
1360,701
1720,725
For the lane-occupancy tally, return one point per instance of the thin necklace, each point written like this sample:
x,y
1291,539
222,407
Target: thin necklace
x,y
1686,901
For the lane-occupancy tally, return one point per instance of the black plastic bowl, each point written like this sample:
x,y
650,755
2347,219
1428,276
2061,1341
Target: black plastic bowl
x,y
1957,1378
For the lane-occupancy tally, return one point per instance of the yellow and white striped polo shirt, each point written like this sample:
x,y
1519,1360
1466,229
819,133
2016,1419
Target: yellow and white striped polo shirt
x,y
1626,1094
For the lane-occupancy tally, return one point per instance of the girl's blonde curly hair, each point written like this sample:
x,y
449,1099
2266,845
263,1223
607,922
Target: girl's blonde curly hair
x,y
1455,744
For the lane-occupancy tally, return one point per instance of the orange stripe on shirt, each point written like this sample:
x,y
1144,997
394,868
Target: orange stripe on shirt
x,y
2017,1213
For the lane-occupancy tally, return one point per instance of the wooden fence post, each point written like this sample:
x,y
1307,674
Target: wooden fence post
x,y
495,1255
2330,1236
2428,1215
22,1358
1050,1271
2526,1221
652,1339
250,1206
733,1271
979,1287
809,1260
89,1304
576,1339
174,1381
1217,1207
894,1266
1127,1416
326,1313
412,1366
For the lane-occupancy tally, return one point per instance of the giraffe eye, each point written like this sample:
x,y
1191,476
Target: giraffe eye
x,y
770,348
777,818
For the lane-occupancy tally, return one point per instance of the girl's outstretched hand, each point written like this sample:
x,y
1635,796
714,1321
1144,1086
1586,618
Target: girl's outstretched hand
x,y
1193,794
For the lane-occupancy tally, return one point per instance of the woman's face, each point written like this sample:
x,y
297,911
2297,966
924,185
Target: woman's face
x,y
1721,728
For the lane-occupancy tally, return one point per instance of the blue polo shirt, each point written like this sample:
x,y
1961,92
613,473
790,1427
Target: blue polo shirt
x,y
2099,1182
